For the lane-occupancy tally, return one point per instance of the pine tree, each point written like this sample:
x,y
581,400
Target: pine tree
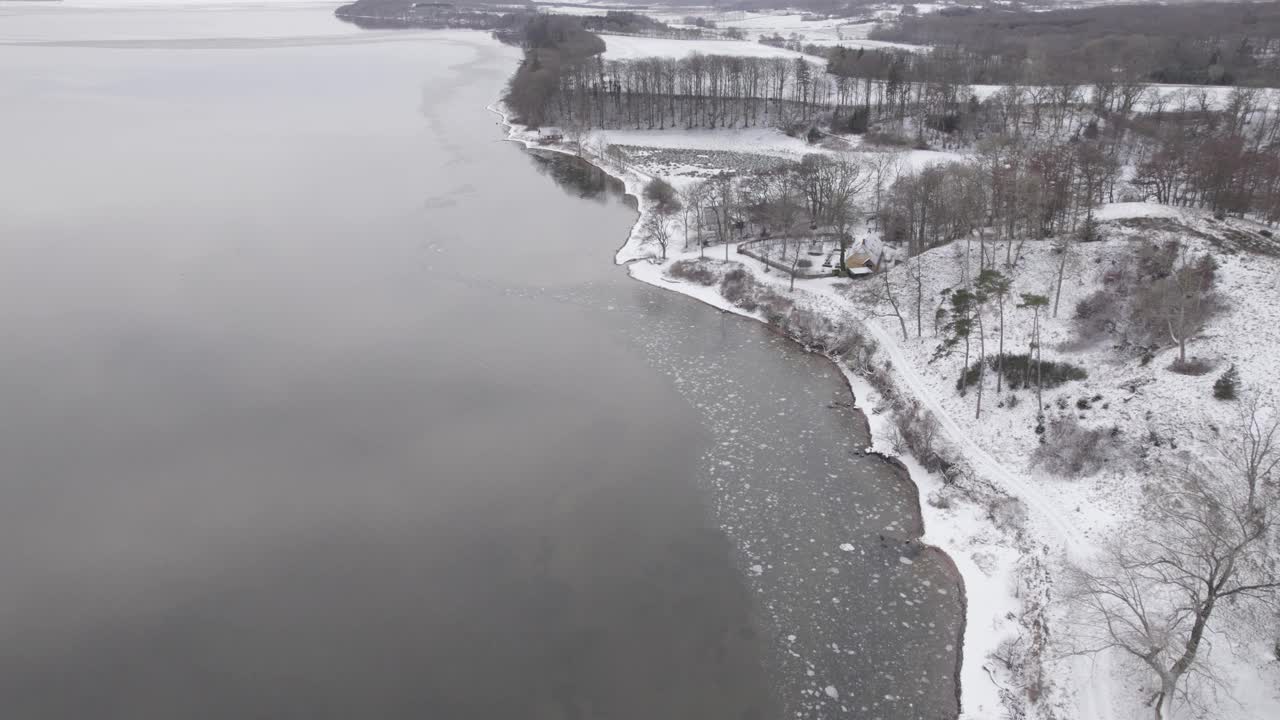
x,y
1036,303
1227,386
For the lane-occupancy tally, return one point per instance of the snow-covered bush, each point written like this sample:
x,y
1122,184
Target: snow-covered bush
x,y
1024,371
1191,366
939,499
857,350
740,288
694,271
1007,513
880,377
1096,316
917,430
808,328
776,311
1072,450
887,139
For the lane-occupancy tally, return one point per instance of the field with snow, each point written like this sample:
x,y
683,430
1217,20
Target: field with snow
x,y
1167,97
630,47
807,29
825,31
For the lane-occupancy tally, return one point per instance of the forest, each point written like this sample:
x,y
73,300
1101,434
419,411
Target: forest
x,y
1049,152
1198,43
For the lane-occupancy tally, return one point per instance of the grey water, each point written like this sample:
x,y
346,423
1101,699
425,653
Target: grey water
x,y
319,399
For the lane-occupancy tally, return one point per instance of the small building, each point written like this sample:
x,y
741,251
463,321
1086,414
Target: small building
x,y
859,264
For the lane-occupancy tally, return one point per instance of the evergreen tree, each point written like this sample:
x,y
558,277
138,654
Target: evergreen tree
x,y
1227,386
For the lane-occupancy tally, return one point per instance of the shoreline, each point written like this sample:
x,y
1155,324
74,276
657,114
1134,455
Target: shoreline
x,y
859,390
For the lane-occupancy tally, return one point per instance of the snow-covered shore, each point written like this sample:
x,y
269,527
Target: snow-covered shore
x,y
1010,568
988,594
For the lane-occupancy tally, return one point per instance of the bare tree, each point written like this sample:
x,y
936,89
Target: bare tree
x,y
616,157
885,167
884,293
841,179
575,131
916,273
655,228
797,244
1252,448
1209,552
692,198
1178,305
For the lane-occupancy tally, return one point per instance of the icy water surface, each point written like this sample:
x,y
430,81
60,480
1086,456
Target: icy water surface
x,y
323,401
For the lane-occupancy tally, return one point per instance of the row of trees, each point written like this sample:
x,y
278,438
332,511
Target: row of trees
x,y
711,91
1226,161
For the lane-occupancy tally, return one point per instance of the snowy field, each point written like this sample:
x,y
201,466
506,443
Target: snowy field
x,y
630,47
826,31
1174,97
586,8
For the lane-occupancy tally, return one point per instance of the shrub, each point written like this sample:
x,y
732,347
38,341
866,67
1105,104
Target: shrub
x,y
1156,261
1020,371
886,139
661,193
795,128
694,271
1227,386
916,429
813,331
1093,305
1193,366
804,263
1096,316
739,287
1007,513
880,377
939,499
857,350
1072,450
776,310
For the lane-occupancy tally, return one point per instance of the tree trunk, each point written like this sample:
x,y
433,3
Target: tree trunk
x,y
982,361
1062,266
1000,359
1040,396
893,302
919,298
